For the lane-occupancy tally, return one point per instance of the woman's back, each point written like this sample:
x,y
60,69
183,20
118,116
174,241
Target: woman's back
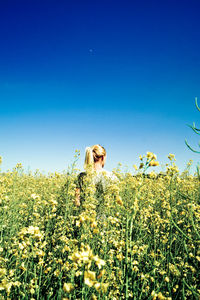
x,y
101,180
102,177
95,158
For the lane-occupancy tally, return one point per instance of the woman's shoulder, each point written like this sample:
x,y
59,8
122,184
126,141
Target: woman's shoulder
x,y
106,172
109,174
81,176
98,174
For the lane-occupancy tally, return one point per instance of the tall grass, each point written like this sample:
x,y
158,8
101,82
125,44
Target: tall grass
x,y
145,243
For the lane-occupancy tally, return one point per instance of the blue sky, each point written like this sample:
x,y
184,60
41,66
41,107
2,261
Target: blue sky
x,y
75,73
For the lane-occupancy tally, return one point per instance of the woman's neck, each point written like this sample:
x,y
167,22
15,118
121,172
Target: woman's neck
x,y
98,166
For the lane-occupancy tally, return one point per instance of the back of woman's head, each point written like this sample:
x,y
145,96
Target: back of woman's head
x,y
93,154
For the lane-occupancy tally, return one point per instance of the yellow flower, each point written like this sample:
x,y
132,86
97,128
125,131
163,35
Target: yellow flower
x,y
149,155
104,287
135,269
88,282
90,274
160,296
34,231
34,196
3,272
56,272
171,156
82,219
167,279
198,258
153,163
85,256
32,291
119,200
68,287
22,267
119,256
154,295
94,224
78,273
40,252
154,156
99,262
18,166
97,285
75,257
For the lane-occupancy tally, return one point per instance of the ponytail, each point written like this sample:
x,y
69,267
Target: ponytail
x,y
89,159
93,154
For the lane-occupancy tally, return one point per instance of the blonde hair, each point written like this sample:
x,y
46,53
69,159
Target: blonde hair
x,y
93,154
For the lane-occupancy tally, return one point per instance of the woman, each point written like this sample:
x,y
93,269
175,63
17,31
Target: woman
x,y
95,157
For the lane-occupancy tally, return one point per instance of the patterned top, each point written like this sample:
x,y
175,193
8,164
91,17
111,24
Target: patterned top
x,y
101,179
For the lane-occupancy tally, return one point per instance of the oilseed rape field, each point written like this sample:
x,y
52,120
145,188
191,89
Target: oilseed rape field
x,y
138,239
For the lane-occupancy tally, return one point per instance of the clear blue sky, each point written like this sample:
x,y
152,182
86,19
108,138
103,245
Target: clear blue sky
x,y
75,73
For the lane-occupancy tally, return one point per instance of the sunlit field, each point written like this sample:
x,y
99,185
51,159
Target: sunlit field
x,y
140,239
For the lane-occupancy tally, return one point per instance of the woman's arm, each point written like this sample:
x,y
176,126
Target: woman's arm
x,y
79,187
77,197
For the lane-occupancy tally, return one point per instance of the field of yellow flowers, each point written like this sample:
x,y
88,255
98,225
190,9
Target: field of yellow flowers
x,y
142,243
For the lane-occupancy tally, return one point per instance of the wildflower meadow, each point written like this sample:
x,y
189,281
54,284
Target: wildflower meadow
x,y
142,242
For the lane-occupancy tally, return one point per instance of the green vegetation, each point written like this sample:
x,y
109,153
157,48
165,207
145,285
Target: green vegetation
x,y
145,245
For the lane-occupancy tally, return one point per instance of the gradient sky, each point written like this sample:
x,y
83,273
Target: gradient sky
x,y
123,74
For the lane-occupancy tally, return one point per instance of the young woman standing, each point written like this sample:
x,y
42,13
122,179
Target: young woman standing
x,y
95,157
